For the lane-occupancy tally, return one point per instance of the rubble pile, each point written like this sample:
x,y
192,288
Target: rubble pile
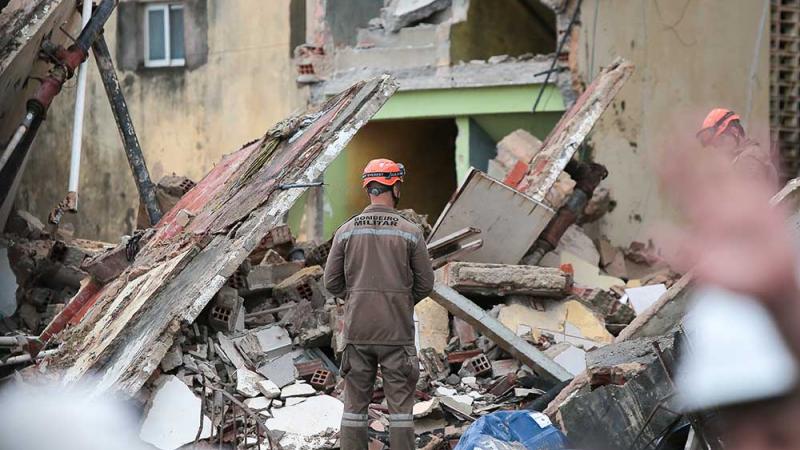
x,y
218,316
270,337
47,268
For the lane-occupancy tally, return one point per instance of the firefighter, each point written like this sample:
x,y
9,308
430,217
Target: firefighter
x,y
723,131
379,264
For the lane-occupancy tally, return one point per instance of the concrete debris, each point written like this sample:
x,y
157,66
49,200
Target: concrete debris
x,y
432,324
136,316
308,424
425,408
229,305
570,321
303,285
268,389
247,382
258,403
641,298
280,370
502,279
171,419
630,384
401,13
568,356
297,390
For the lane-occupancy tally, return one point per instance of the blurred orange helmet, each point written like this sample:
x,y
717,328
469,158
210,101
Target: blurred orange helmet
x,y
383,171
718,121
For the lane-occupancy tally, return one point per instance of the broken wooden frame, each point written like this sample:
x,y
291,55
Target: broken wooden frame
x,y
569,133
134,319
452,246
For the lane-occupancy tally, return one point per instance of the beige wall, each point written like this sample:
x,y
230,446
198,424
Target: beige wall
x,y
186,119
687,62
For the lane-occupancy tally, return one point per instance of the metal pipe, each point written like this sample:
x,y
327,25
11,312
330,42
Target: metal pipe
x,y
66,61
95,26
16,155
12,144
77,124
19,359
147,191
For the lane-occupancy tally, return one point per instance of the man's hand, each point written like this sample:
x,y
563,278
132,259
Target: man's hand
x,y
732,237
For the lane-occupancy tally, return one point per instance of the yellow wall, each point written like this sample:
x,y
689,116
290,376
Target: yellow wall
x,y
186,119
503,27
687,62
425,146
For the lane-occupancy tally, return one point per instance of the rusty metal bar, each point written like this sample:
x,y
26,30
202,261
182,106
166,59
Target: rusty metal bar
x,y
145,186
202,409
247,413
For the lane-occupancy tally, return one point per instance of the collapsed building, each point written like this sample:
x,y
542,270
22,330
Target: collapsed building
x,y
217,315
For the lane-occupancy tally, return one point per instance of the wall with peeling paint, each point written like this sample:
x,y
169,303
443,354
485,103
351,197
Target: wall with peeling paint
x,y
186,119
690,56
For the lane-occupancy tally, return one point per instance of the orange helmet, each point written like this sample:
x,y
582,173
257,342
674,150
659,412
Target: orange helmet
x,y
717,122
383,171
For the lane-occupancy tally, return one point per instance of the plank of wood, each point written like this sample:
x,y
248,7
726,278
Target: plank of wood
x,y
178,271
465,309
573,128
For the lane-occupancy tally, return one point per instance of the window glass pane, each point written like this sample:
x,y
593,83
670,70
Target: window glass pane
x,y
176,33
156,34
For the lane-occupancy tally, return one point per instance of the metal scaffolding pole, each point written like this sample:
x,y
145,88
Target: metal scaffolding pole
x,y
133,150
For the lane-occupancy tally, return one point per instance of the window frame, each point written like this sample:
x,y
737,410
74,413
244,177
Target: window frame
x,y
168,60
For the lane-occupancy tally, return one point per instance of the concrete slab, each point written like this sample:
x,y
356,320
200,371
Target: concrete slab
x,y
280,370
569,321
172,419
247,382
269,389
588,274
434,325
641,298
297,390
569,357
258,403
310,419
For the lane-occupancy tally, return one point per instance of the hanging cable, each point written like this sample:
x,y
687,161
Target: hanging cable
x,y
558,52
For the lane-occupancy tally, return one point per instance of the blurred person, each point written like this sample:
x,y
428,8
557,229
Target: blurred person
x,y
742,361
722,131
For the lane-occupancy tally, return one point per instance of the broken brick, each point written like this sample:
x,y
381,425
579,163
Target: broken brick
x,y
306,369
303,285
225,310
477,365
322,380
460,357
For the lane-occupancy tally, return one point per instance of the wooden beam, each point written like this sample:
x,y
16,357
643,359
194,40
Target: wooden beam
x,y
573,128
135,317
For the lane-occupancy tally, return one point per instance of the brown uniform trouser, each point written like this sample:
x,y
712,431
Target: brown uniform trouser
x,y
400,371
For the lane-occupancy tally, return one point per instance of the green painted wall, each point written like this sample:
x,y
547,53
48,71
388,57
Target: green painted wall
x,y
470,102
475,131
499,125
431,131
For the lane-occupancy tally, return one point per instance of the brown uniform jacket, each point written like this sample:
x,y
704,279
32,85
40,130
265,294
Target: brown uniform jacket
x,y
754,162
379,264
